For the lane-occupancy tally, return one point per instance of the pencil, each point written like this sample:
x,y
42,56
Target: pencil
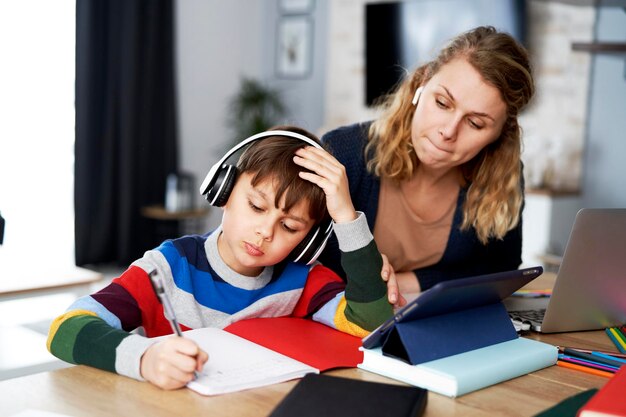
x,y
614,358
615,354
620,333
593,358
617,341
590,364
584,369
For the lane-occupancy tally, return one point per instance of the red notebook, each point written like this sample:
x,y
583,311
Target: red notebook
x,y
610,400
307,341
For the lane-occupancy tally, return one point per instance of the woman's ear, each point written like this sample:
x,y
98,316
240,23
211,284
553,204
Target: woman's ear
x,y
417,95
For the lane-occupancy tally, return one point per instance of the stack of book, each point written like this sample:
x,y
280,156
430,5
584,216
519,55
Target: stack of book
x,y
465,372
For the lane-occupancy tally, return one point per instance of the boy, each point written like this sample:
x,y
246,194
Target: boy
x,y
238,271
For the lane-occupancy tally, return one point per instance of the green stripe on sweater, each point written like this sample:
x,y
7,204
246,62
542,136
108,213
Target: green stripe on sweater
x,y
62,346
96,343
364,283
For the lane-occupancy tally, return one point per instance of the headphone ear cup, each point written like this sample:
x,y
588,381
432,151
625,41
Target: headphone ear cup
x,y
312,245
220,191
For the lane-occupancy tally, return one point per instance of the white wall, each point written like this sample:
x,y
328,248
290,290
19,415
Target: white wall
x,y
305,96
217,43
603,169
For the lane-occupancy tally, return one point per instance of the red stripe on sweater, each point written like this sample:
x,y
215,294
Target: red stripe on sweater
x,y
137,283
322,285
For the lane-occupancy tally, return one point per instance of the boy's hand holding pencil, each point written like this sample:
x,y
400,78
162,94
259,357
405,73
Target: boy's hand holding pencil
x,y
172,362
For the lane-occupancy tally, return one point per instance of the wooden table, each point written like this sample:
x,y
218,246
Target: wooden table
x,y
82,390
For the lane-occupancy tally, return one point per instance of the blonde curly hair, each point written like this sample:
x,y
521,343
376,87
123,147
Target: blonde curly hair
x,y
494,195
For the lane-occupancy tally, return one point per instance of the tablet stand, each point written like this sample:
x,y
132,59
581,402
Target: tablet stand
x,y
435,337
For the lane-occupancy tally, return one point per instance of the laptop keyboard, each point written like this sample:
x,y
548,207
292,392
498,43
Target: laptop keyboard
x,y
535,317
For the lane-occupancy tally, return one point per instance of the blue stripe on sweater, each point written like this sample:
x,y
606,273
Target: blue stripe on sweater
x,y
90,304
193,274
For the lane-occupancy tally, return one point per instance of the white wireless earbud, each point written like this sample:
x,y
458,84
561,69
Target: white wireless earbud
x,y
417,95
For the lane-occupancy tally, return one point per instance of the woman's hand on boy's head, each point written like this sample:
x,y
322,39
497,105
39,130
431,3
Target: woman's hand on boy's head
x,y
172,362
330,175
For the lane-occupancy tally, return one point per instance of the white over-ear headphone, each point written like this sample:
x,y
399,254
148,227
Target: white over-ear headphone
x,y
417,95
220,180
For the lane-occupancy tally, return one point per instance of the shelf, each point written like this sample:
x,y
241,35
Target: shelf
x,y
159,213
600,47
593,3
553,193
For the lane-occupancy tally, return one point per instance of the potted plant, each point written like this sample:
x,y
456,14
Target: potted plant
x,y
255,108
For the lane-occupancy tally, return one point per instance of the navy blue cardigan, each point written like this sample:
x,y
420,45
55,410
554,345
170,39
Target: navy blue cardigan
x,y
464,254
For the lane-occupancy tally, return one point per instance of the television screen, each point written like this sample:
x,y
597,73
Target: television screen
x,y
399,36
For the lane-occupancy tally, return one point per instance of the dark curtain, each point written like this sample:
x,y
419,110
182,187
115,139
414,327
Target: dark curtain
x,y
125,124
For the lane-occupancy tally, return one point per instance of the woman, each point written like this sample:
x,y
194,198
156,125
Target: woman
x,y
439,174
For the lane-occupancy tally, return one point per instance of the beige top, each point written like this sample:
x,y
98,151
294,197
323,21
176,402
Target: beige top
x,y
409,241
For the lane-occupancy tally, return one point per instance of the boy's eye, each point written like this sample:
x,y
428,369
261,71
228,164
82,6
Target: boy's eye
x,y
289,229
254,207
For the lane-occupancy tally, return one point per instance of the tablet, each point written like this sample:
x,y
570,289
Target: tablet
x,y
454,295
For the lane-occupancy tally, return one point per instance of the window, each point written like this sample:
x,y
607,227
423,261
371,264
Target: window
x,y
37,50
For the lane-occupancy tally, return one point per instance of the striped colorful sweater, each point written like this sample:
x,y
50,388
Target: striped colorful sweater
x,y
205,292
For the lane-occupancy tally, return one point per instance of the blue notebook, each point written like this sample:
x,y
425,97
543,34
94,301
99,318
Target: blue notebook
x,y
465,372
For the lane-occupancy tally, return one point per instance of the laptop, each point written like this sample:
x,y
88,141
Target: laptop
x,y
590,288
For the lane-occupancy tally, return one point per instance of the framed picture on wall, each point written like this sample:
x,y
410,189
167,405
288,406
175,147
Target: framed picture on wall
x,y
295,6
294,47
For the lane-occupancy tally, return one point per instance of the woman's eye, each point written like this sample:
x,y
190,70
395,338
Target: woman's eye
x,y
474,124
289,229
441,104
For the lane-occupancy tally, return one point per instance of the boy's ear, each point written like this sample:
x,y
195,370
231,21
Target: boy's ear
x,y
220,190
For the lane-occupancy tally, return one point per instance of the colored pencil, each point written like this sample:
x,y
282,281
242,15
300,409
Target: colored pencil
x,y
617,341
532,293
589,364
612,357
614,354
592,358
584,369
620,333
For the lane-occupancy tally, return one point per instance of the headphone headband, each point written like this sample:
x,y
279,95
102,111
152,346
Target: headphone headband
x,y
219,164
